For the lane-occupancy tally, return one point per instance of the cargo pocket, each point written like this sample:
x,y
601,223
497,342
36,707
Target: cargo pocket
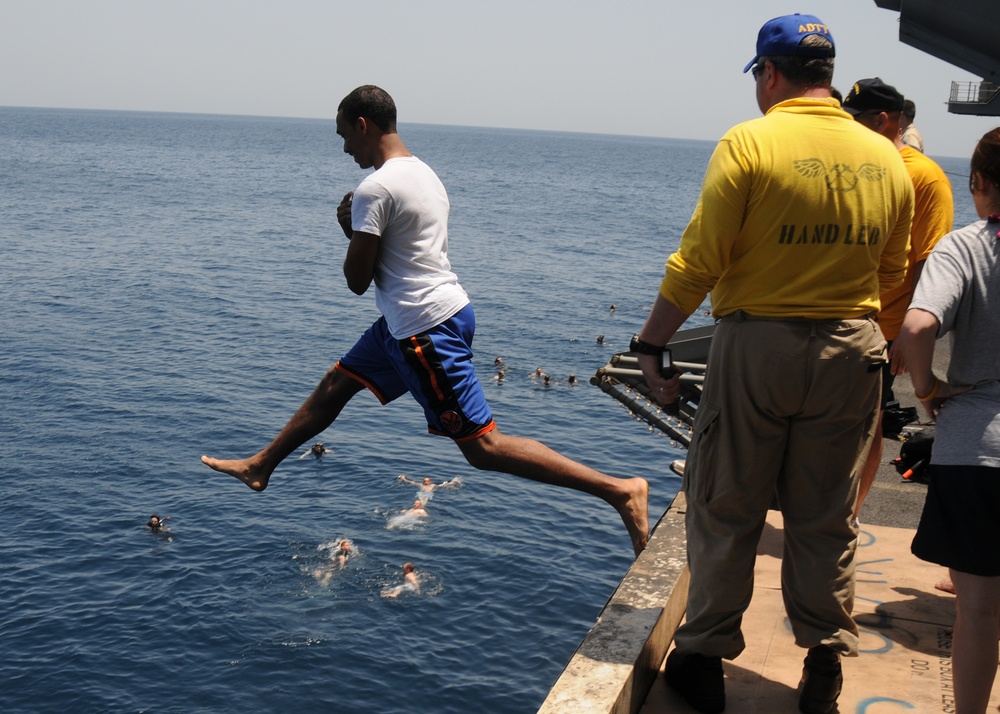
x,y
877,356
700,468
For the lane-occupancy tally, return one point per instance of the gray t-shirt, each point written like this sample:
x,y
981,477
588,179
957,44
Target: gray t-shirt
x,y
960,286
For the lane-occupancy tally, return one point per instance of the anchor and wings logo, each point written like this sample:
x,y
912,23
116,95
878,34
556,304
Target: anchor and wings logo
x,y
839,177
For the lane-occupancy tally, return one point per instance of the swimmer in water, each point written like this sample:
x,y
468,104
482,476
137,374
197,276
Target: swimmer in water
x,y
317,450
418,510
499,376
571,379
343,552
155,524
410,583
600,339
426,486
410,518
157,527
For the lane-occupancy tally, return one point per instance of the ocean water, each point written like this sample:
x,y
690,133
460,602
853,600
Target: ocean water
x,y
171,286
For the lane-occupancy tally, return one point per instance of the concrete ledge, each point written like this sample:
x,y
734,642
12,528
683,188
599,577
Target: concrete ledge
x,y
614,667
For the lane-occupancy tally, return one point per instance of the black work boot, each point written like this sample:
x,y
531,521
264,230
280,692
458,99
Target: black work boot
x,y
699,679
821,681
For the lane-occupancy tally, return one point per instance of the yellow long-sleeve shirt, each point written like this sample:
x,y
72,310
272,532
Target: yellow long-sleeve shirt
x,y
803,213
933,215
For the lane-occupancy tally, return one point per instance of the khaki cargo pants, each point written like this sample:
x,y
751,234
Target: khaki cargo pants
x,y
788,410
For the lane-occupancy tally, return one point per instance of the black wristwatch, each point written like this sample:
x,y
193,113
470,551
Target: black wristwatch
x,y
644,348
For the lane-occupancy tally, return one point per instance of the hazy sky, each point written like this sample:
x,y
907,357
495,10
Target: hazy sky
x,y
668,68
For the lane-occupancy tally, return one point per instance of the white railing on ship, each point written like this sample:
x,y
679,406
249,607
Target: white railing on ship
x,y
973,92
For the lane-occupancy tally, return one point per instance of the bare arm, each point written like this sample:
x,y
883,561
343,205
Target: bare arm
x,y
359,265
362,252
916,344
896,361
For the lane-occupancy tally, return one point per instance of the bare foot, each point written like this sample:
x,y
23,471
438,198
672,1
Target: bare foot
x,y
255,478
945,586
635,512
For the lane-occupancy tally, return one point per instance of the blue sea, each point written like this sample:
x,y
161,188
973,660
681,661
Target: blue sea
x,y
171,286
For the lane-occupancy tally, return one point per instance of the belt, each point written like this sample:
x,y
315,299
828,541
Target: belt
x,y
742,315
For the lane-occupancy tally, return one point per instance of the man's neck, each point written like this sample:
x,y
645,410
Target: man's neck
x,y
816,93
390,146
787,91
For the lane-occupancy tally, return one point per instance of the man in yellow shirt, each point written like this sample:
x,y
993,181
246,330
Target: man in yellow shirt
x,y
802,223
879,106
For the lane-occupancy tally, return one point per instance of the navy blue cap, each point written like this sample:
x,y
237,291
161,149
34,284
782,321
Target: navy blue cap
x,y
781,37
872,95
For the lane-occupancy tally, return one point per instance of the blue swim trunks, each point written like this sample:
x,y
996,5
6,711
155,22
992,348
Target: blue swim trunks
x,y
435,367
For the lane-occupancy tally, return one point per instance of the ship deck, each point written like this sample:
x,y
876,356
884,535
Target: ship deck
x,y
904,663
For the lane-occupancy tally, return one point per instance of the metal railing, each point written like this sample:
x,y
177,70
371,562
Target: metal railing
x,y
973,92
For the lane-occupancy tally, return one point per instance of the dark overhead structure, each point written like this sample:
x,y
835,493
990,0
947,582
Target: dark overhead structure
x,y
962,33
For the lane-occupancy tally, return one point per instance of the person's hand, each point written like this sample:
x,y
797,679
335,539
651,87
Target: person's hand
x,y
897,363
344,214
944,392
664,390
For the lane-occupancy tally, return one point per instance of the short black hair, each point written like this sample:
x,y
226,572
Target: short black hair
x,y
804,71
372,103
909,109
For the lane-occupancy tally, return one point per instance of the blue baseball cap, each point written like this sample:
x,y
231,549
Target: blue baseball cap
x,y
782,35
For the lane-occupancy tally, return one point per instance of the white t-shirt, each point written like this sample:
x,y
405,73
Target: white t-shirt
x,y
406,205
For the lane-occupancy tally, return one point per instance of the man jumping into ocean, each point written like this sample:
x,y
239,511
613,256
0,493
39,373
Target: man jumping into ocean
x,y
397,225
